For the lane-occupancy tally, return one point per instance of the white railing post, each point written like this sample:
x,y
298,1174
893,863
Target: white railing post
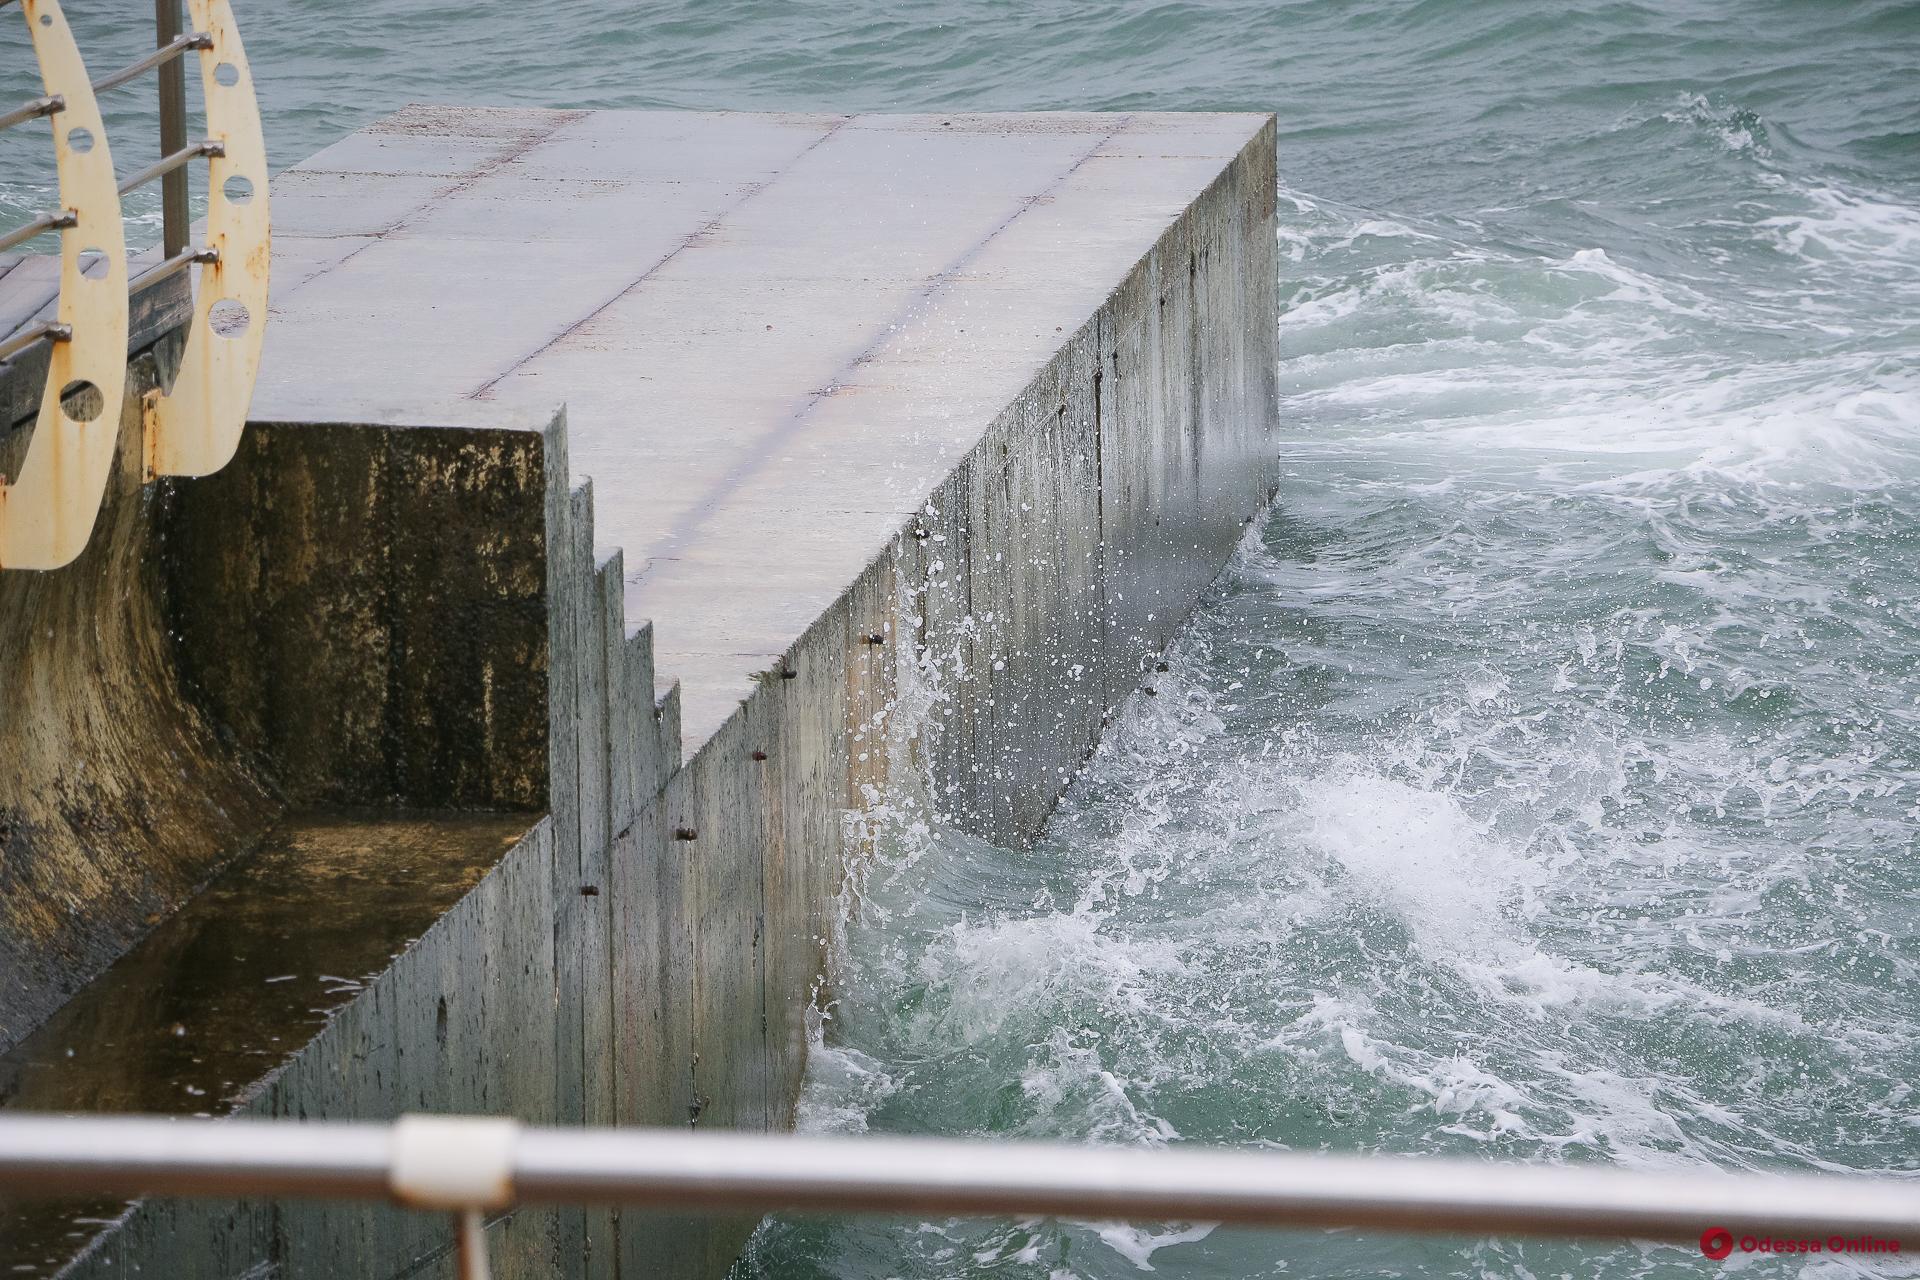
x,y
464,1164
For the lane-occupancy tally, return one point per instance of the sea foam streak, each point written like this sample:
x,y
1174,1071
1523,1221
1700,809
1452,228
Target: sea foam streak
x,y
1518,793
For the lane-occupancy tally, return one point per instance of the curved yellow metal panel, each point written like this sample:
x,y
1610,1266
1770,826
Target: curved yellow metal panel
x,y
47,513
194,428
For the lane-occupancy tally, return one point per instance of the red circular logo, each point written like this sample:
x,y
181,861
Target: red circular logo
x,y
1716,1242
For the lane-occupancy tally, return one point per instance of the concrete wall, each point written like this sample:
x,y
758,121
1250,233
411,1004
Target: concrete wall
x,y
648,954
345,615
1076,539
363,612
117,795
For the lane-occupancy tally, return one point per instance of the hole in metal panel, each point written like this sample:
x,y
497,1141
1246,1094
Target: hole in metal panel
x,y
81,401
229,318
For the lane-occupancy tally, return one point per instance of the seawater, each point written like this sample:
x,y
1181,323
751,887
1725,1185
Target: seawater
x,y
1542,781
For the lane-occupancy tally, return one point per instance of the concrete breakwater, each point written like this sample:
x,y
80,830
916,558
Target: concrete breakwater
x,y
977,404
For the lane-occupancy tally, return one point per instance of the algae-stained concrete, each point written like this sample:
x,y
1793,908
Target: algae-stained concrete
x,y
890,442
118,795
94,843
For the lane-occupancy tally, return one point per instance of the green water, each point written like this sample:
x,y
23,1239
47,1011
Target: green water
x,y
1543,781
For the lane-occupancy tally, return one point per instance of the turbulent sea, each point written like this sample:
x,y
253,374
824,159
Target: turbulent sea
x,y
1542,781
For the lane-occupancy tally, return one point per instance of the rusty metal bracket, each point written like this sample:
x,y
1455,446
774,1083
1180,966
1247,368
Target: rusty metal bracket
x,y
193,428
47,514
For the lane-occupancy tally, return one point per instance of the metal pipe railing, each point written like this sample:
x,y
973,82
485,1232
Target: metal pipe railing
x,y
55,221
448,1163
171,43
170,267
33,109
163,54
167,164
21,339
175,217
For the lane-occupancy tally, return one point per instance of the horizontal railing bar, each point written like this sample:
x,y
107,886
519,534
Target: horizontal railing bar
x,y
51,330
168,1157
33,109
167,164
46,222
172,267
166,52
766,1172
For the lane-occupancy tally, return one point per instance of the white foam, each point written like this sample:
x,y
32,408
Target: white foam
x,y
1520,796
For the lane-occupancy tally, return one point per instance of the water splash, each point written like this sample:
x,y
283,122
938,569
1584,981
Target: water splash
x,y
1542,782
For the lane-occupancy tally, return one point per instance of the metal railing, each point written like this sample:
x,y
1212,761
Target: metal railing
x,y
166,269
166,15
174,214
192,426
47,509
53,220
51,330
165,166
471,1165
170,45
33,109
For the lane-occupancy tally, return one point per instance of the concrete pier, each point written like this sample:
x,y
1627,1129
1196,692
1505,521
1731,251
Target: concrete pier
x,y
887,443
774,335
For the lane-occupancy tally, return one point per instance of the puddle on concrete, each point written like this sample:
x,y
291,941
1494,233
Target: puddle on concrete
x,y
194,1018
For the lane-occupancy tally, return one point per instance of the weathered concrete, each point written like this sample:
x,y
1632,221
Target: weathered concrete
x,y
93,846
364,612
911,437
343,616
775,335
238,980
117,795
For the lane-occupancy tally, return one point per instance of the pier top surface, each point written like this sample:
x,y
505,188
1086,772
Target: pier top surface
x,y
774,334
